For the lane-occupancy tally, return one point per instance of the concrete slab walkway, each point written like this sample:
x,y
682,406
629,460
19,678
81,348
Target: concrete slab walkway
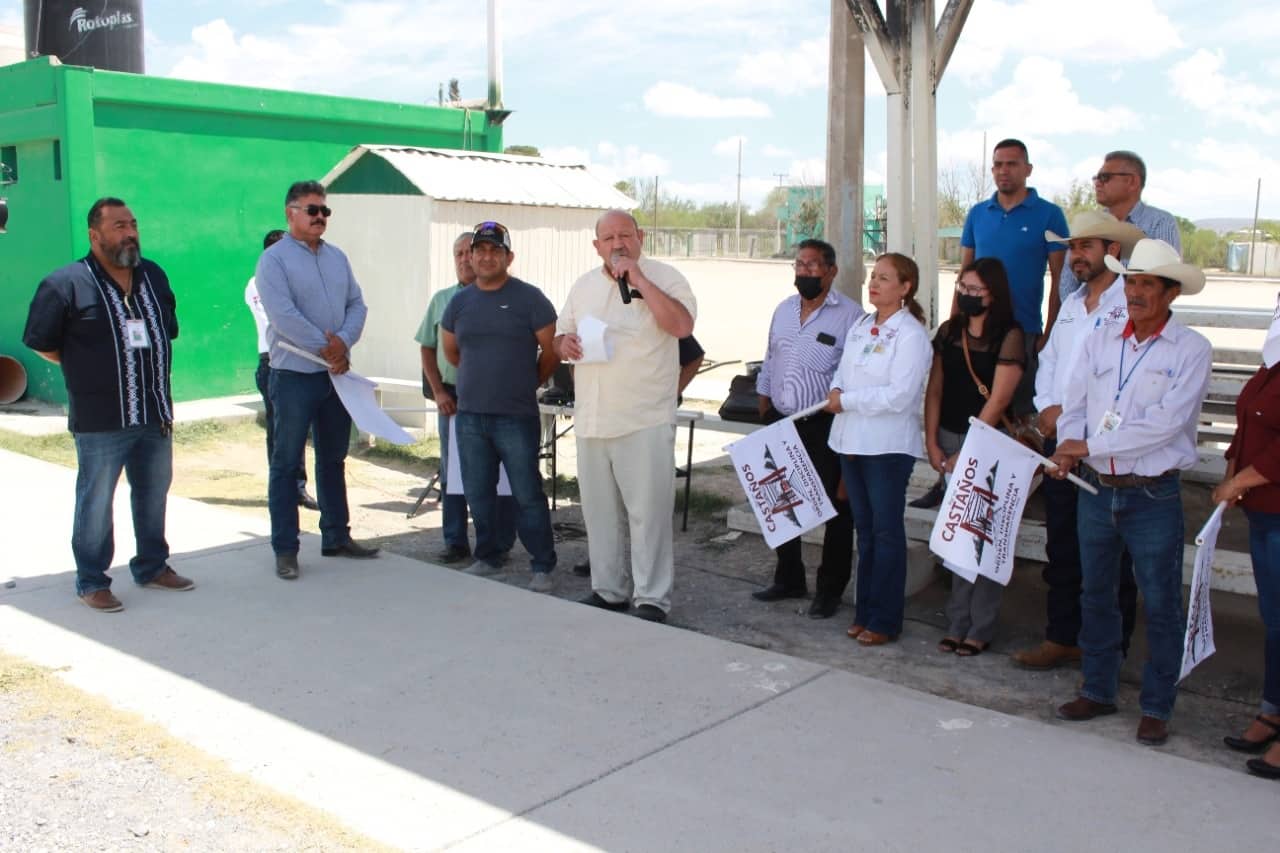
x,y
428,709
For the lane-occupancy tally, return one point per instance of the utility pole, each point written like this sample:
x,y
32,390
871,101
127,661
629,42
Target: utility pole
x,y
1253,235
737,228
781,176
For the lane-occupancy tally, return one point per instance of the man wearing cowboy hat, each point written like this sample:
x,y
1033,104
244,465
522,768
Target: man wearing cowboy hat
x,y
1128,426
1095,235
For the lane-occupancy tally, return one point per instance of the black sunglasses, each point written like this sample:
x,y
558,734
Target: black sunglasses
x,y
314,210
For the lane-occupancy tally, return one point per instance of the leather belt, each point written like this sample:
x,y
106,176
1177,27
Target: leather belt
x,y
1124,481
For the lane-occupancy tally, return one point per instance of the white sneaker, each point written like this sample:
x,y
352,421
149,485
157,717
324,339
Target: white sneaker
x,y
481,569
540,582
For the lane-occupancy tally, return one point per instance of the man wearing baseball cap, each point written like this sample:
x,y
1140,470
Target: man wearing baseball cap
x,y
1095,236
498,333
1128,427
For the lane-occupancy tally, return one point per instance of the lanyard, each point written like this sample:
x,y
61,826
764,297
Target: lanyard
x,y
1123,379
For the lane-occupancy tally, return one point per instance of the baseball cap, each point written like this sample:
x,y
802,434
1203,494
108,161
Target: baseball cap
x,y
492,232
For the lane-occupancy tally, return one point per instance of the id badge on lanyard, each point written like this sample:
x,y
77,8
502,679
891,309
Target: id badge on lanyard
x,y
136,334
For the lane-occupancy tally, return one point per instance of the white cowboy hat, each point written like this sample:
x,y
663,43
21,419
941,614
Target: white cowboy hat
x,y
1100,223
1156,257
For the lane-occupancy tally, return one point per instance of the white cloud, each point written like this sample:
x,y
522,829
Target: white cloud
x,y
1220,180
1102,31
1199,80
1042,100
754,190
570,154
771,150
680,101
796,68
628,161
810,171
729,147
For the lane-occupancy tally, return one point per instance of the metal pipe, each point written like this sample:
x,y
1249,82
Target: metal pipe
x,y
495,58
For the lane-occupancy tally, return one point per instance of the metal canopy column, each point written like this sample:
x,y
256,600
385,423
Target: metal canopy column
x,y
910,53
846,123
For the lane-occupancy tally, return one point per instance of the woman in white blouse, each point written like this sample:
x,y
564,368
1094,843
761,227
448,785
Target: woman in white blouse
x,y
877,394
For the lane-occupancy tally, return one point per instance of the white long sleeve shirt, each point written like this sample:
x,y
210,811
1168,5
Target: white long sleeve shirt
x,y
881,378
1156,394
1075,322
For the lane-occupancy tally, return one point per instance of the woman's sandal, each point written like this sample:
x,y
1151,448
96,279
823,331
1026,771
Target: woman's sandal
x,y
967,649
1253,747
873,638
855,630
948,646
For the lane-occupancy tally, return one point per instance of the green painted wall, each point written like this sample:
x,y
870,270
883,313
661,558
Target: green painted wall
x,y
204,168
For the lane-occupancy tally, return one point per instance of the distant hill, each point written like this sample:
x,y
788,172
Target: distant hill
x,y
1224,225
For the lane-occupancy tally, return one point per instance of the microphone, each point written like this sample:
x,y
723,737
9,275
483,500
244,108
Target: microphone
x,y
624,286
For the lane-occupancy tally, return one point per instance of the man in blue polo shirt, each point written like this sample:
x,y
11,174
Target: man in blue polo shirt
x,y
1010,226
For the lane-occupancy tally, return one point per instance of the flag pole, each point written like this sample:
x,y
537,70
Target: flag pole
x,y
1049,464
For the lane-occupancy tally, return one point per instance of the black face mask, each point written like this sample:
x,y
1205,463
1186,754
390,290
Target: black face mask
x,y
970,306
809,286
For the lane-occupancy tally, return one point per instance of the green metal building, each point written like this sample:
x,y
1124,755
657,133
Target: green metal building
x,y
204,167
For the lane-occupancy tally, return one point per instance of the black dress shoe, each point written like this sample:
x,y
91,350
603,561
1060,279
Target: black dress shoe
x,y
823,607
350,548
1263,768
287,566
453,554
583,569
596,600
777,592
931,498
651,613
1254,747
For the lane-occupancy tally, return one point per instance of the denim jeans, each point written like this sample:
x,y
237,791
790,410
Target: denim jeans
x,y
261,378
1062,572
145,454
305,401
1264,547
484,441
1147,520
454,507
877,487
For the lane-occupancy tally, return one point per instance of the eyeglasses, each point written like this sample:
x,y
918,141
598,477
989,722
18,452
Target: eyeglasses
x,y
1103,177
809,265
972,290
314,209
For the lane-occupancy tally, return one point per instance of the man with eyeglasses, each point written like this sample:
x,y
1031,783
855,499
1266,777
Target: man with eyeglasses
x,y
313,303
806,341
498,333
1118,188
625,413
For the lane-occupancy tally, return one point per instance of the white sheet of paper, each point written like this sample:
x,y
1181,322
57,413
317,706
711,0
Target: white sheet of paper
x,y
357,395
453,468
596,345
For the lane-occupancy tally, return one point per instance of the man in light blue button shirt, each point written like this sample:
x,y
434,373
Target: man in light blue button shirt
x,y
313,303
1118,187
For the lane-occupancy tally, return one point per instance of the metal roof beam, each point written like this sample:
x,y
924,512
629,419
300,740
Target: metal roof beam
x,y
948,34
880,44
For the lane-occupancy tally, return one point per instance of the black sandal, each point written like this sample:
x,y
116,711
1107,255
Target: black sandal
x,y
947,645
971,650
1253,747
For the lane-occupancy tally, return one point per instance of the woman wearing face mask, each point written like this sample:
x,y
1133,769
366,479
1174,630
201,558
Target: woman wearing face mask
x,y
876,396
978,360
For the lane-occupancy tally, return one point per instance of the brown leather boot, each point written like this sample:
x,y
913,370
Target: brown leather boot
x,y
1047,655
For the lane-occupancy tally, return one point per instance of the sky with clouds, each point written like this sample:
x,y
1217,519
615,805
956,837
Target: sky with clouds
x,y
667,88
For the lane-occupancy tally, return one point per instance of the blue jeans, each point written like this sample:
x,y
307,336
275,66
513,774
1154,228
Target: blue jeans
x,y
145,454
262,378
454,507
1264,547
306,401
484,441
1146,520
877,487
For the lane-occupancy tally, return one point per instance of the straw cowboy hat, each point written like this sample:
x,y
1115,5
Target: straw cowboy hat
x,y
1101,224
1156,257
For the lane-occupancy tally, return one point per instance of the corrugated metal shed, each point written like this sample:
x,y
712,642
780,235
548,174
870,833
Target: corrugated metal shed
x,y
475,176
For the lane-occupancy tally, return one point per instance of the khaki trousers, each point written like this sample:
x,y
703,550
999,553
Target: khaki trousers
x,y
629,480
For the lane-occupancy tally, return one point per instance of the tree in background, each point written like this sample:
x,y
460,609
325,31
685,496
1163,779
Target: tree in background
x,y
1078,197
522,150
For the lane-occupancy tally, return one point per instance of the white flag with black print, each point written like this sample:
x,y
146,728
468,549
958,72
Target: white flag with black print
x,y
1197,643
782,486
977,525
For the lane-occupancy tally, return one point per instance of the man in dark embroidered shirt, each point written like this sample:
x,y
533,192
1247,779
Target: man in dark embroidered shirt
x,y
108,320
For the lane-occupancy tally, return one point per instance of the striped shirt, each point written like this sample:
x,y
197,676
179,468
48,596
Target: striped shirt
x,y
1155,223
802,357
